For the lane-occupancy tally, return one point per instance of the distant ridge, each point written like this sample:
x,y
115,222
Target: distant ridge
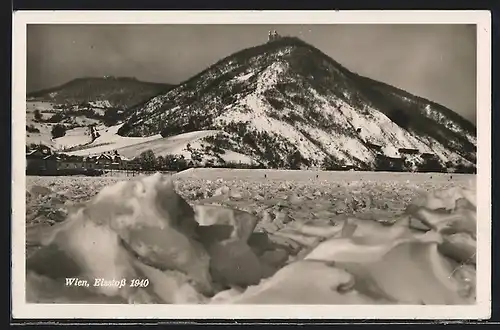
x,y
122,92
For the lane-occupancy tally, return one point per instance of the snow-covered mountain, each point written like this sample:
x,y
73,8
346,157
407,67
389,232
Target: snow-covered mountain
x,y
101,92
286,104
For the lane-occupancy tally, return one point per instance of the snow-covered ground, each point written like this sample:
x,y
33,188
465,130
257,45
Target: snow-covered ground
x,y
132,147
43,137
230,156
101,104
109,140
31,106
73,137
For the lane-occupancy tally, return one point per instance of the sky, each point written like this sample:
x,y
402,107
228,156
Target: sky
x,y
437,62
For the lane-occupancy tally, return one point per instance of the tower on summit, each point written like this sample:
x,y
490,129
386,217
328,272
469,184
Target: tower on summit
x,y
273,36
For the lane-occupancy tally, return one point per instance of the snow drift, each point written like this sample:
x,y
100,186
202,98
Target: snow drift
x,y
143,229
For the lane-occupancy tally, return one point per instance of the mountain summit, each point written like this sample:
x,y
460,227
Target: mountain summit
x,y
288,105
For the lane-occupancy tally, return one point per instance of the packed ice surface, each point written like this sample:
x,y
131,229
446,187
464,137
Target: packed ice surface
x,y
247,239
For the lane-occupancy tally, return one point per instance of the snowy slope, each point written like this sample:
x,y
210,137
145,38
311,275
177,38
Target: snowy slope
x,y
109,140
131,147
175,145
73,137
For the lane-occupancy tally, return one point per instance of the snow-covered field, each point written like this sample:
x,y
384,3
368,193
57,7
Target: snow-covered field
x,y
109,140
43,137
171,145
31,106
231,156
285,206
131,147
73,137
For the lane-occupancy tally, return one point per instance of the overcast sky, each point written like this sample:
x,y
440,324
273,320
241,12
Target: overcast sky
x,y
437,62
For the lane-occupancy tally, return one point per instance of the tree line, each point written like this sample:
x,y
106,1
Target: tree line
x,y
149,161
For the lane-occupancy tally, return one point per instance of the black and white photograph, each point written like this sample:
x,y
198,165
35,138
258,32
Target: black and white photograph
x,y
284,161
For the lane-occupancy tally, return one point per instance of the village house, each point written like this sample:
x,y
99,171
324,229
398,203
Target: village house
x,y
122,161
35,162
90,162
389,159
348,167
50,163
374,147
428,155
104,161
388,163
38,152
431,163
410,156
408,151
107,160
134,164
118,162
70,163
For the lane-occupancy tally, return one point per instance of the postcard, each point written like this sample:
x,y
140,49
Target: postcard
x,y
251,165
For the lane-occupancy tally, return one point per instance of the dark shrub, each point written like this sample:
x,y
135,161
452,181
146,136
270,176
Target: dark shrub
x,y
38,115
56,118
32,129
58,131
